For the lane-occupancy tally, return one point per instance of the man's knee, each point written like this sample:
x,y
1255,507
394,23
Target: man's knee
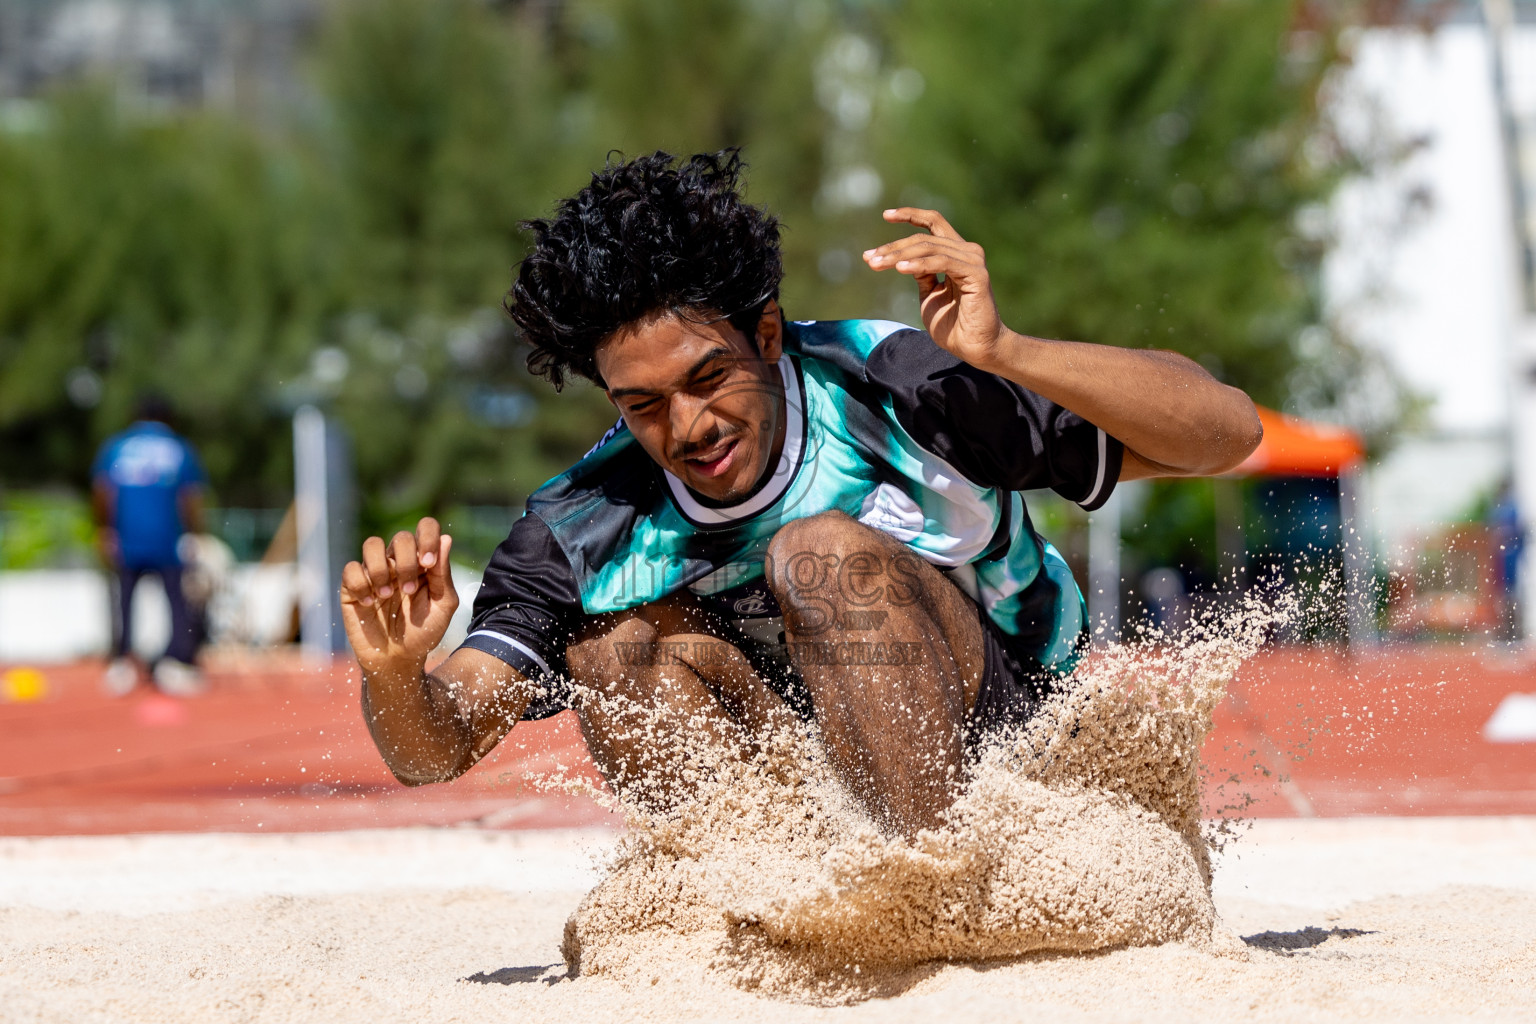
x,y
823,567
827,538
607,657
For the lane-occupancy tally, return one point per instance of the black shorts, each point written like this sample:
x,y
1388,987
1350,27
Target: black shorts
x,y
1013,683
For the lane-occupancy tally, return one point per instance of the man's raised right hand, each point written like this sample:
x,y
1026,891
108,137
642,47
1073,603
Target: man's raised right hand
x,y
397,602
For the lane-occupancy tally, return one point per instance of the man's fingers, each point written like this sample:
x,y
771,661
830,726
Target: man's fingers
x,y
886,253
933,220
355,586
364,632
376,566
402,551
427,534
926,266
963,258
440,577
930,266
933,261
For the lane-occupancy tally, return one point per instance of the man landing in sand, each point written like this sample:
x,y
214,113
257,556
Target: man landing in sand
x,y
814,517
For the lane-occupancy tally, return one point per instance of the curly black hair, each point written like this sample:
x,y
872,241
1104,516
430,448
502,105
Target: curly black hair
x,y
644,237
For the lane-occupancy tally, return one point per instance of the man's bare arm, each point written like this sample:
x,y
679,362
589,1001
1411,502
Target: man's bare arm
x,y
103,508
190,502
434,726
1173,418
396,605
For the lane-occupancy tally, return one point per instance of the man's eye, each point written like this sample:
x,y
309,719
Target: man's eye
x,y
642,408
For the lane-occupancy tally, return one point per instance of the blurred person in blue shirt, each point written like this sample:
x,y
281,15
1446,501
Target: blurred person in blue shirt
x,y
1508,528
146,488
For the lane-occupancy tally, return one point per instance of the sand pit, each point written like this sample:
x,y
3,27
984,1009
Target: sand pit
x,y
1074,875
1079,831
1419,919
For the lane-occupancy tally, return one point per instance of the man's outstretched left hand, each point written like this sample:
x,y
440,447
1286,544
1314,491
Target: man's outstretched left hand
x,y
952,284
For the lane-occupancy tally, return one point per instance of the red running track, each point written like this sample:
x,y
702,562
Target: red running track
x,y
275,747
271,748
1397,731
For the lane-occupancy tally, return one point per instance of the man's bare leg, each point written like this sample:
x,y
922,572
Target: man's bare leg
x,y
658,683
894,732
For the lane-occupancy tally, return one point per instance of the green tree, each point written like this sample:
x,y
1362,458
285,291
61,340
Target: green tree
x,y
137,254
440,135
692,76
1138,171
1144,174
437,123
1135,170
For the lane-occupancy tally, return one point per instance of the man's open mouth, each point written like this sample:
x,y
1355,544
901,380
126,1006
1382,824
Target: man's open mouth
x,y
715,460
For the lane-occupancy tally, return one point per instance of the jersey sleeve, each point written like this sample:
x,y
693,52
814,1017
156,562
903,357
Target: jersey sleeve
x,y
528,607
996,432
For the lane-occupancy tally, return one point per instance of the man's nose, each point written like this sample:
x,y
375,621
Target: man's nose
x,y
691,418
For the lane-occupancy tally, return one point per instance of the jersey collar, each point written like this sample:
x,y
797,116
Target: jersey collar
x,y
778,481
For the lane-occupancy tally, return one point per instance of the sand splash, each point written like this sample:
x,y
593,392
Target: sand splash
x,y
1081,831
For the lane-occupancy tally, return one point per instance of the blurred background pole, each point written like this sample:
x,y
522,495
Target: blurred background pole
x,y
1519,143
325,512
1354,537
1104,571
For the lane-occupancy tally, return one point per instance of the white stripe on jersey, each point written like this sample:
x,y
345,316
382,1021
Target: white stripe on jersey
x,y
510,642
1098,481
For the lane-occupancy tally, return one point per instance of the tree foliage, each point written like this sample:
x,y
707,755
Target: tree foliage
x,y
1138,172
140,255
1135,171
435,161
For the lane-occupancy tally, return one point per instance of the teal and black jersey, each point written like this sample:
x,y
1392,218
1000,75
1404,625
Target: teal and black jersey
x,y
884,426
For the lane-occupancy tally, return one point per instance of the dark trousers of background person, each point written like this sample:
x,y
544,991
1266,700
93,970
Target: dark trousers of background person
x,y
183,645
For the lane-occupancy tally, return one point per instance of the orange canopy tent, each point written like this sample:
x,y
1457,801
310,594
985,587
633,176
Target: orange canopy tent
x,y
1294,447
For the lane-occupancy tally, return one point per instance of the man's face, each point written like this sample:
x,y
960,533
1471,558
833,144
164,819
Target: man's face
x,y
704,400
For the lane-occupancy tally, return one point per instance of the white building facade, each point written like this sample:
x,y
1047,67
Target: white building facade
x,y
1432,266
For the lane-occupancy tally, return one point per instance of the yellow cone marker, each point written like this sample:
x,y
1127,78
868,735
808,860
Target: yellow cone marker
x,y
23,685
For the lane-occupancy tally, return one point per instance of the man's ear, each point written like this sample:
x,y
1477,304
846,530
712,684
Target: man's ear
x,y
770,332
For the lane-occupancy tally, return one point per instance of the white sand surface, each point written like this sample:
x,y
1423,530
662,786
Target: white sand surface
x,y
385,926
